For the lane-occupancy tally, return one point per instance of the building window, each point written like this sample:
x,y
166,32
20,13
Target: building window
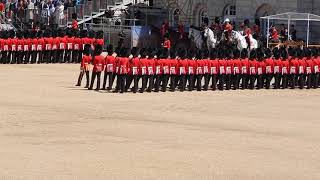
x,y
203,17
230,10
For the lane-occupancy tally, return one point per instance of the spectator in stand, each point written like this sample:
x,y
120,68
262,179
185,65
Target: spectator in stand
x,y
30,13
74,22
1,10
293,33
274,34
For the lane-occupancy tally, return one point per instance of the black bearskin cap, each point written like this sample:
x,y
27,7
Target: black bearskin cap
x,y
86,49
97,50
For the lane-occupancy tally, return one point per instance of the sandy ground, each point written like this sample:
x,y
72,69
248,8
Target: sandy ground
x,y
50,129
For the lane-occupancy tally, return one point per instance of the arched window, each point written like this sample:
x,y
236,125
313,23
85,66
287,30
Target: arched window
x,y
230,10
203,17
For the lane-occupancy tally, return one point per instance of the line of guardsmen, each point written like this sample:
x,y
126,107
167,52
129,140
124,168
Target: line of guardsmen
x,y
50,46
201,70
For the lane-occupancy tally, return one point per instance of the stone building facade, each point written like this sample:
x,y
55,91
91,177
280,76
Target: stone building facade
x,y
193,12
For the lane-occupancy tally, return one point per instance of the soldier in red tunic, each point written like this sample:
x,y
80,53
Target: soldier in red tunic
x,y
294,66
214,66
269,68
206,70
261,71
222,70
173,68
309,68
48,46
244,69
277,68
110,69
20,44
316,62
301,69
98,66
133,70
123,65
143,69
158,70
253,66
192,66
236,69
13,47
76,46
85,66
55,46
69,48
62,46
182,70
229,68
165,63
151,69
40,47
4,47
285,69
27,46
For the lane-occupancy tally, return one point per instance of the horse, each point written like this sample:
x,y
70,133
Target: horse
x,y
196,37
241,40
210,38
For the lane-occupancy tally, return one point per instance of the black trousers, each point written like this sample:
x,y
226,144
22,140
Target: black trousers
x,y
129,80
54,56
93,77
164,81
206,81
222,78
33,57
260,81
268,80
292,80
4,57
277,80
316,80
74,56
80,56
111,77
284,83
301,80
236,81
143,83
214,81
199,81
244,81
182,82
12,57
157,82
19,57
121,83
191,82
67,56
81,76
252,80
27,55
228,81
173,82
150,79
60,56
47,56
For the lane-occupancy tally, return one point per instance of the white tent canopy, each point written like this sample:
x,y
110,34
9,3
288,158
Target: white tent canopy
x,y
292,16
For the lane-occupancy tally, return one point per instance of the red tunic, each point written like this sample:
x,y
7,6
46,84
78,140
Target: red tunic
x,y
85,63
236,66
41,44
166,66
277,66
206,66
222,66
302,66
253,67
309,66
159,68
200,66
183,67
192,66
261,68
98,63
27,44
110,64
20,44
229,66
245,66
70,41
63,42
6,44
134,66
285,66
143,66
123,65
48,43
316,65
55,43
34,44
173,66
100,42
151,66
214,66
13,44
294,66
269,65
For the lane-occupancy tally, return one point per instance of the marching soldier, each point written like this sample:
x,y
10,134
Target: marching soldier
x,y
269,68
236,69
214,69
133,70
244,69
110,69
183,66
192,65
98,66
151,69
85,66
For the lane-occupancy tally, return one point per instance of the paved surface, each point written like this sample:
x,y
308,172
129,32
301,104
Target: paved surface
x,y
50,129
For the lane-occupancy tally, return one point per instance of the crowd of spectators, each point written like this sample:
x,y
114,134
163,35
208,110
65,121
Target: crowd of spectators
x,y
32,13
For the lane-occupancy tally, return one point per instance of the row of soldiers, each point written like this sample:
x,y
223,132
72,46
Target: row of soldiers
x,y
50,46
223,69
